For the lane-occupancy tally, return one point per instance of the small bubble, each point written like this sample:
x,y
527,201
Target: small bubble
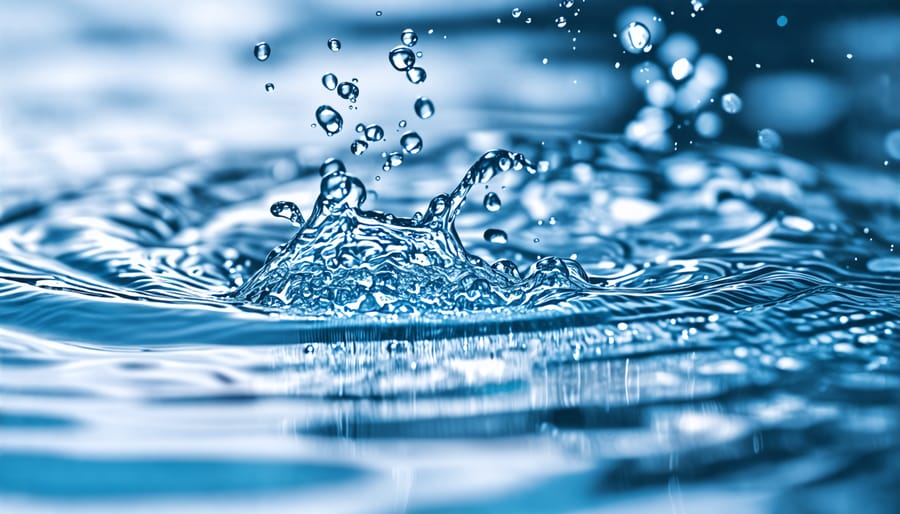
x,y
411,143
348,91
329,80
682,68
496,236
334,44
332,165
358,147
359,127
768,139
419,55
782,20
288,211
536,240
270,87
492,202
402,124
732,103
409,37
545,60
424,108
395,158
560,21
374,133
262,51
416,75
849,56
635,37
330,120
378,13
516,12
402,58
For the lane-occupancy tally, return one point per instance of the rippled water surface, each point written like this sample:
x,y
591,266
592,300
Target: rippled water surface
x,y
542,302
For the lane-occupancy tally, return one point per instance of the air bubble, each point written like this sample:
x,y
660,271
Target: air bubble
x,y
424,108
288,211
492,202
360,127
768,139
416,75
402,58
330,120
270,87
409,37
496,236
402,124
262,51
334,44
378,13
635,37
732,103
348,91
411,143
329,80
359,147
782,20
374,133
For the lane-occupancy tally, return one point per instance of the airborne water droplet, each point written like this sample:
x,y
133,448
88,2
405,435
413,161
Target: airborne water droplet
x,y
768,139
496,236
560,21
424,108
635,37
262,51
334,44
402,124
402,58
732,103
374,133
416,75
329,80
332,165
516,12
330,120
409,37
288,211
411,143
360,127
348,91
358,147
492,202
270,87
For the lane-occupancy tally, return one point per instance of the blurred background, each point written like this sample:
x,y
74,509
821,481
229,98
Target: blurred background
x,y
89,86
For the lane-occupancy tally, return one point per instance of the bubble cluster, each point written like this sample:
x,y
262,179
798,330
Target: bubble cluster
x,y
348,91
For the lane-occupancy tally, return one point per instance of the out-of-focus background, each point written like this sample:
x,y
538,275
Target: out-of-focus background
x,y
90,86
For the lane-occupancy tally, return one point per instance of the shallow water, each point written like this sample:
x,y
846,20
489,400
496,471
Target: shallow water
x,y
690,331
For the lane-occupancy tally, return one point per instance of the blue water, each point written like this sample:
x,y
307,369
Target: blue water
x,y
685,314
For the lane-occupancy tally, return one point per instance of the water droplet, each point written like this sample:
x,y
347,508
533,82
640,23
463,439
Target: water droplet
x,y
402,124
288,211
560,21
360,127
332,165
411,143
395,158
348,91
732,103
782,20
892,144
768,139
378,13
545,60
416,75
516,12
424,108
262,51
270,87
343,190
635,37
402,58
334,44
496,236
374,133
682,68
849,56
330,120
409,37
419,55
492,202
329,80
536,240
358,147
